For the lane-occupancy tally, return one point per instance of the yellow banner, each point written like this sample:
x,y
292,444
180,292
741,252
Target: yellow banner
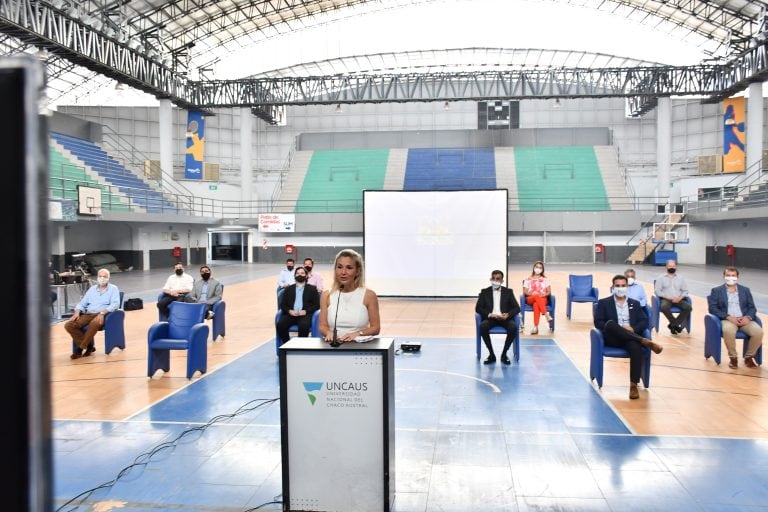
x,y
734,158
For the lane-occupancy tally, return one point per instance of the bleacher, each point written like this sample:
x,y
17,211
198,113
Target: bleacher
x,y
559,178
334,180
65,176
450,169
114,173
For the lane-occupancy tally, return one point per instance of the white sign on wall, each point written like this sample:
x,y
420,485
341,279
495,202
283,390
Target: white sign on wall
x,y
277,222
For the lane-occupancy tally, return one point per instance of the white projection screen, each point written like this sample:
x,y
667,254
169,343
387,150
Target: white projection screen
x,y
433,243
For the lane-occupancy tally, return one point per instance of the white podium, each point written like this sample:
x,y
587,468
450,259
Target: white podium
x,y
337,413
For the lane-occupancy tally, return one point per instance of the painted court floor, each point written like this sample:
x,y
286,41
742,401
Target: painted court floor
x,y
531,436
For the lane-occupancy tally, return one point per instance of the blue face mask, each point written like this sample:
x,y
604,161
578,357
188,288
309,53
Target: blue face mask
x,y
496,284
620,291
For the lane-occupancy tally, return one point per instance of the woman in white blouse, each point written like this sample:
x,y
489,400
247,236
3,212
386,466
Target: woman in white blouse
x,y
349,308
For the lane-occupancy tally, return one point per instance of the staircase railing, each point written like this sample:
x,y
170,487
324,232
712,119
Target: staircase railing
x,y
120,147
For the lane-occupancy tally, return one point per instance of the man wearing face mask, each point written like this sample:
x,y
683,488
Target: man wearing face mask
x,y
285,279
623,321
672,290
100,299
732,303
176,287
298,304
497,306
206,289
313,278
634,289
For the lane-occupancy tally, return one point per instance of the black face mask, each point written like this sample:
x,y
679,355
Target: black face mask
x,y
289,267
309,269
671,270
205,275
301,279
179,271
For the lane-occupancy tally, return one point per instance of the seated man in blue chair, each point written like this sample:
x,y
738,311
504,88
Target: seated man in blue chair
x,y
497,306
100,299
732,303
634,289
176,287
671,289
298,303
623,321
206,289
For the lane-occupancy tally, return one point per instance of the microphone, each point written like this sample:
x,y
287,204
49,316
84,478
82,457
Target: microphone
x,y
335,342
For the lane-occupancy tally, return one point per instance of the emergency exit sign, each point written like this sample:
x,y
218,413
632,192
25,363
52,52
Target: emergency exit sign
x,y
213,187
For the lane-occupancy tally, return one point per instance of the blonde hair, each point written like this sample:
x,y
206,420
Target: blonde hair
x,y
359,278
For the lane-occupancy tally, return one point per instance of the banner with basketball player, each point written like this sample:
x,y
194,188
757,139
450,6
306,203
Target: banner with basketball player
x,y
193,160
734,157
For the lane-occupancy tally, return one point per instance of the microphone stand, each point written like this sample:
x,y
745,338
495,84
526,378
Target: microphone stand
x,y
335,342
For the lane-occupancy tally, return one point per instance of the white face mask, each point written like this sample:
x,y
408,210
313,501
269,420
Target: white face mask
x,y
630,281
496,284
731,280
102,280
620,291
538,270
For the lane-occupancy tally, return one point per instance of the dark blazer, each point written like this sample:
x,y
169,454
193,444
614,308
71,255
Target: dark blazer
x,y
606,310
507,302
718,301
310,298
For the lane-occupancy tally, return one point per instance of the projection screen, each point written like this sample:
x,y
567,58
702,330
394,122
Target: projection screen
x,y
433,243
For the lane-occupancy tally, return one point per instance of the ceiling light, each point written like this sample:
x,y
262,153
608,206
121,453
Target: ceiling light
x,y
446,106
557,103
338,109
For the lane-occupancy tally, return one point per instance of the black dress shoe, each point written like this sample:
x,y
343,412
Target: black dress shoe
x,y
490,360
77,355
505,360
90,350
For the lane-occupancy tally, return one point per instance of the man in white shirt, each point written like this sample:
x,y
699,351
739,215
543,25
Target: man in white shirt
x,y
315,279
671,289
176,287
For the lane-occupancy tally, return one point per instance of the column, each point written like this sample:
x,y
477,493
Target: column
x,y
246,173
166,136
754,127
663,147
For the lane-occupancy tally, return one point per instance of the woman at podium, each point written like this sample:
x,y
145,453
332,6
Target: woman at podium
x,y
349,311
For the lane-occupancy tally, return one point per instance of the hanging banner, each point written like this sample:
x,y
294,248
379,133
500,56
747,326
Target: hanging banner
x,y
734,157
193,162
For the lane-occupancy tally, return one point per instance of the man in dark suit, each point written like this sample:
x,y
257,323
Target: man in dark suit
x,y
298,303
623,321
734,318
497,306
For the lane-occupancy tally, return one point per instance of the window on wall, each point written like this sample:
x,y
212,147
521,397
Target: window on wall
x,y
498,115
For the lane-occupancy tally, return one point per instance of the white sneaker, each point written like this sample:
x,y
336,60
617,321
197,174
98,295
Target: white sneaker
x,y
209,315
549,317
535,330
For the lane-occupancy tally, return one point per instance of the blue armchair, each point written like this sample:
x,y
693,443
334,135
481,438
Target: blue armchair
x,y
713,334
580,289
114,330
219,322
498,330
314,329
550,308
599,351
185,330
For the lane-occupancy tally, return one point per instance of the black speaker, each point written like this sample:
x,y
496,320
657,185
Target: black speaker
x,y
26,461
661,208
678,208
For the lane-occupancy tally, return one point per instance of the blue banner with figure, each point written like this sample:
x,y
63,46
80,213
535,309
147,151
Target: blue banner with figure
x,y
193,161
